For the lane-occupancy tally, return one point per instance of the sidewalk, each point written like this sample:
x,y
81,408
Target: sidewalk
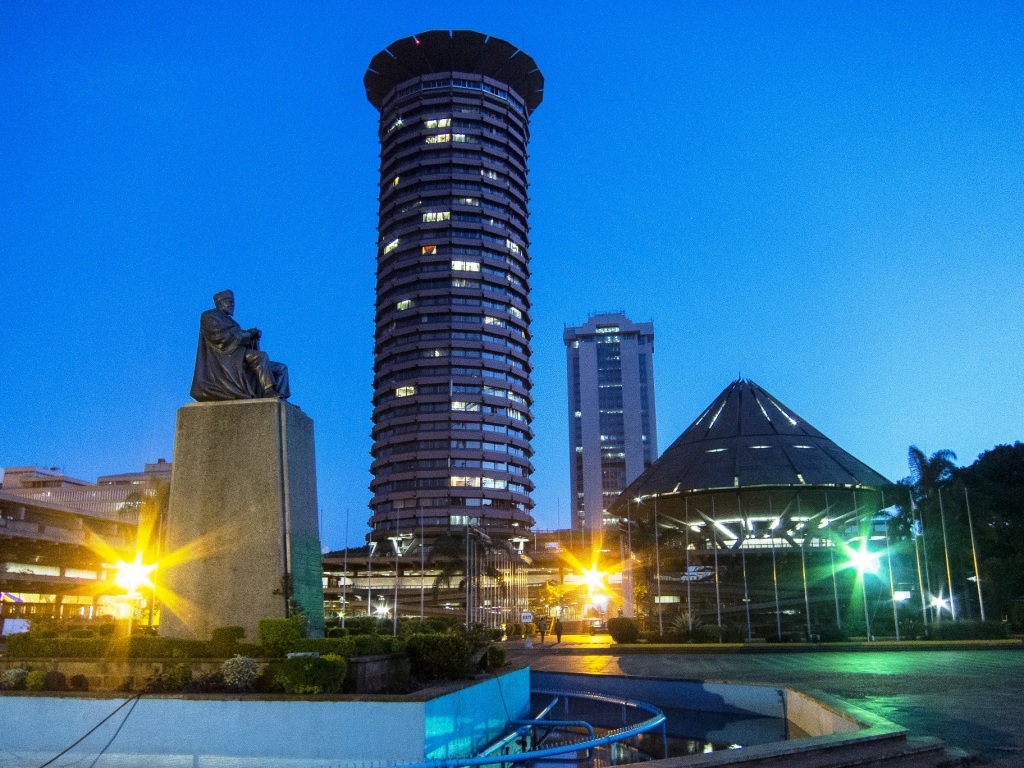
x,y
970,698
603,643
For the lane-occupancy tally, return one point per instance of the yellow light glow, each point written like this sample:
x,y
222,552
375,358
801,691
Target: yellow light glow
x,y
131,576
593,578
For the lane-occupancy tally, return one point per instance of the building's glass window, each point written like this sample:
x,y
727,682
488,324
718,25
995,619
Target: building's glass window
x,y
467,201
405,304
461,405
390,246
428,249
462,481
441,122
466,266
405,391
394,182
441,138
437,216
460,283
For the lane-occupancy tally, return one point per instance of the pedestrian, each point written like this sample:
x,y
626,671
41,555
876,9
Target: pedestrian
x,y
542,627
558,630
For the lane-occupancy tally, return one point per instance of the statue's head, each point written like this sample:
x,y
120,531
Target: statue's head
x,y
224,301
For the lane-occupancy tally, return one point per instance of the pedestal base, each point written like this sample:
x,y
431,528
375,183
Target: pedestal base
x,y
242,539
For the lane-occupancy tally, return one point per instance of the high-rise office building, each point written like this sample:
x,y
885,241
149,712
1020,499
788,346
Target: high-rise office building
x,y
612,435
451,418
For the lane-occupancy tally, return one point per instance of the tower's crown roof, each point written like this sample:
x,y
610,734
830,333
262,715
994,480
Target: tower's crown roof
x,y
748,438
456,51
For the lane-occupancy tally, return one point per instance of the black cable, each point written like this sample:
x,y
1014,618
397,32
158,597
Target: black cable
x,y
123,704
107,745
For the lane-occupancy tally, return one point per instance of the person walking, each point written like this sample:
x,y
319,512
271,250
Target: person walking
x,y
558,630
542,627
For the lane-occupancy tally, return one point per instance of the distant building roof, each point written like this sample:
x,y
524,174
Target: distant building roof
x,y
747,438
458,51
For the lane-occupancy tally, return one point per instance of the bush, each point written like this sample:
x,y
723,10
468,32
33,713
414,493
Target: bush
x,y
338,646
968,630
55,681
13,679
308,674
495,657
79,683
438,657
623,629
832,634
361,625
279,635
81,634
240,673
172,679
36,680
372,645
224,640
514,631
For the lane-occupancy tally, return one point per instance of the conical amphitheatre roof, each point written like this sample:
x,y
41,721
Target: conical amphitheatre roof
x,y
747,438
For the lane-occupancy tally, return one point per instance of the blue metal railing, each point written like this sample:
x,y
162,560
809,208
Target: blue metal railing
x,y
526,729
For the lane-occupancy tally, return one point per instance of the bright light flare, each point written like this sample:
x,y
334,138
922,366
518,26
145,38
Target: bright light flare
x,y
135,575
593,578
940,602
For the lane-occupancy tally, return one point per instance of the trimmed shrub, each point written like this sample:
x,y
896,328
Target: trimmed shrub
x,y
623,629
372,645
224,640
279,635
361,625
172,679
13,679
438,657
968,630
514,631
81,634
240,673
495,657
308,674
338,646
79,683
55,681
36,680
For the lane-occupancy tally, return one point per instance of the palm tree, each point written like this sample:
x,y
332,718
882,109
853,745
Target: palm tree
x,y
929,476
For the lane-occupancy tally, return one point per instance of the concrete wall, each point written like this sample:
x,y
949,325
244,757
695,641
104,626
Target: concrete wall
x,y
350,733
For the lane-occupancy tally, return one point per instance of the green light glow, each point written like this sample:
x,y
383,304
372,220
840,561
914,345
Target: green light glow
x,y
863,560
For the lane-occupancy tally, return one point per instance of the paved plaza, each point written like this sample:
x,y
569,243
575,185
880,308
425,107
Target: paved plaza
x,y
973,699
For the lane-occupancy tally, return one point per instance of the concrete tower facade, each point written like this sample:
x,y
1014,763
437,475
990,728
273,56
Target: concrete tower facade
x,y
452,404
612,434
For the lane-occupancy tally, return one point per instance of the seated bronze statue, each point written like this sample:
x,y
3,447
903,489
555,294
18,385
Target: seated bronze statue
x,y
229,363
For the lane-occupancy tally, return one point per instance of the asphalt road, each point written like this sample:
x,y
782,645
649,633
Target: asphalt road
x,y
971,699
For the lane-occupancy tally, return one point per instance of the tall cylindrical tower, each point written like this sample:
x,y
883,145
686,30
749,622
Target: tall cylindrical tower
x,y
451,418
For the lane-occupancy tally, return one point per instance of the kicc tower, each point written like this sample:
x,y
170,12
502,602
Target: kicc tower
x,y
451,419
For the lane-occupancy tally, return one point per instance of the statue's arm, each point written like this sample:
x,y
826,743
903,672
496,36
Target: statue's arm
x,y
224,333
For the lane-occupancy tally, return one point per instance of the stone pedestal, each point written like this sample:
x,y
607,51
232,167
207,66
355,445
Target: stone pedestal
x,y
242,536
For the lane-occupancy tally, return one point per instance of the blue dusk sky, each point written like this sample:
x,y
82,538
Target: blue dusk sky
x,y
826,198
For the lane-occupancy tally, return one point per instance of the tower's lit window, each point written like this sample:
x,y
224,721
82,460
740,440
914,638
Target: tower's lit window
x,y
405,391
437,216
391,246
405,304
466,266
